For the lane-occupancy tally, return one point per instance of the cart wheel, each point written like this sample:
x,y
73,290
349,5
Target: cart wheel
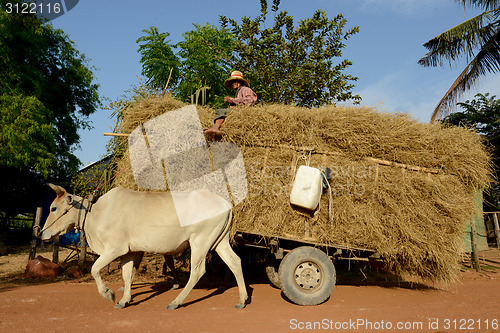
x,y
307,276
272,267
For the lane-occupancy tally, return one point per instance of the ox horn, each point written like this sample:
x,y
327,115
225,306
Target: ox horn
x,y
58,189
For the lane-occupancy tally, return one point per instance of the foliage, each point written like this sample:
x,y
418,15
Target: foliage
x,y
94,179
158,59
101,174
27,136
118,107
201,60
478,39
294,65
285,64
46,96
49,82
22,191
206,54
483,115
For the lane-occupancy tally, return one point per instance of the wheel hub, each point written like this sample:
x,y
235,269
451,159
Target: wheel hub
x,y
308,275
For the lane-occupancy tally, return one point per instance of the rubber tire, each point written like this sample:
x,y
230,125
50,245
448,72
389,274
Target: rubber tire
x,y
272,272
307,259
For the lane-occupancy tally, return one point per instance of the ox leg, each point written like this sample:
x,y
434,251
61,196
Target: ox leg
x,y
137,262
198,257
232,260
130,262
99,264
169,262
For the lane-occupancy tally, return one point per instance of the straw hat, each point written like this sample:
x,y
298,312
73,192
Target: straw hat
x,y
236,75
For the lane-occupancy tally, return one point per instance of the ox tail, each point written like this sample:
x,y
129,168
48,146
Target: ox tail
x,y
225,231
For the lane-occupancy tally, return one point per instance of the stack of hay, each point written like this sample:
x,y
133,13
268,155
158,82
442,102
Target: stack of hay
x,y
403,188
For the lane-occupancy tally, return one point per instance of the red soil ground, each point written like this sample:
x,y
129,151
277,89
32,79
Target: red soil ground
x,y
356,305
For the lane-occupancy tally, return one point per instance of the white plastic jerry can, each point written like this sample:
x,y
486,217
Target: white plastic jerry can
x,y
307,188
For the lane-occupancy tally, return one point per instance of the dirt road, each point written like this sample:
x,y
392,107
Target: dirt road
x,y
471,305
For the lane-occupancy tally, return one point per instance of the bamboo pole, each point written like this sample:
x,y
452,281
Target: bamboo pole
x,y
169,76
264,163
371,159
291,173
401,165
312,149
115,134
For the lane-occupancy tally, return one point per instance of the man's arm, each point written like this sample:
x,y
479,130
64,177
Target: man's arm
x,y
245,96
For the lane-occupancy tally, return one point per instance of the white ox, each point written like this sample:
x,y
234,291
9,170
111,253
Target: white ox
x,y
128,223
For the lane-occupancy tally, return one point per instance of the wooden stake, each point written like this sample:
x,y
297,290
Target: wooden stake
x,y
292,167
263,170
55,251
36,231
473,245
83,250
497,229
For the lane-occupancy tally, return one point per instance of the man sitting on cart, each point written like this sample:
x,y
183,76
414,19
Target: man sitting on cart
x,y
244,96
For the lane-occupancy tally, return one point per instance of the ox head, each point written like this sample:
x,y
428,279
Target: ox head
x,y
63,214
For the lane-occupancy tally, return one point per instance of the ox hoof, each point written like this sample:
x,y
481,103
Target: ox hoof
x,y
172,306
109,294
240,305
119,306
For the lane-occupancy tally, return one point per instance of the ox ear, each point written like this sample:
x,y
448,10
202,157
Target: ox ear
x,y
58,189
69,199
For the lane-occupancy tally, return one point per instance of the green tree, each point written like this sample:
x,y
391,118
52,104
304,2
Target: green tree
x,y
294,65
478,40
46,93
27,136
158,59
207,54
46,96
483,115
202,59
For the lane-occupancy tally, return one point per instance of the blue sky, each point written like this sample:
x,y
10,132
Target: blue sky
x,y
384,53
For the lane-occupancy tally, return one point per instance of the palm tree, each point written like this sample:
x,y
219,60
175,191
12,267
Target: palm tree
x,y
478,39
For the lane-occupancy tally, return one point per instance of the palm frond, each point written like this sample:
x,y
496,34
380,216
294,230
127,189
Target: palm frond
x,y
461,40
487,60
482,4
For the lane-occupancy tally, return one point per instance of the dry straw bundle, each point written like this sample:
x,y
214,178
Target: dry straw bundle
x,y
400,187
